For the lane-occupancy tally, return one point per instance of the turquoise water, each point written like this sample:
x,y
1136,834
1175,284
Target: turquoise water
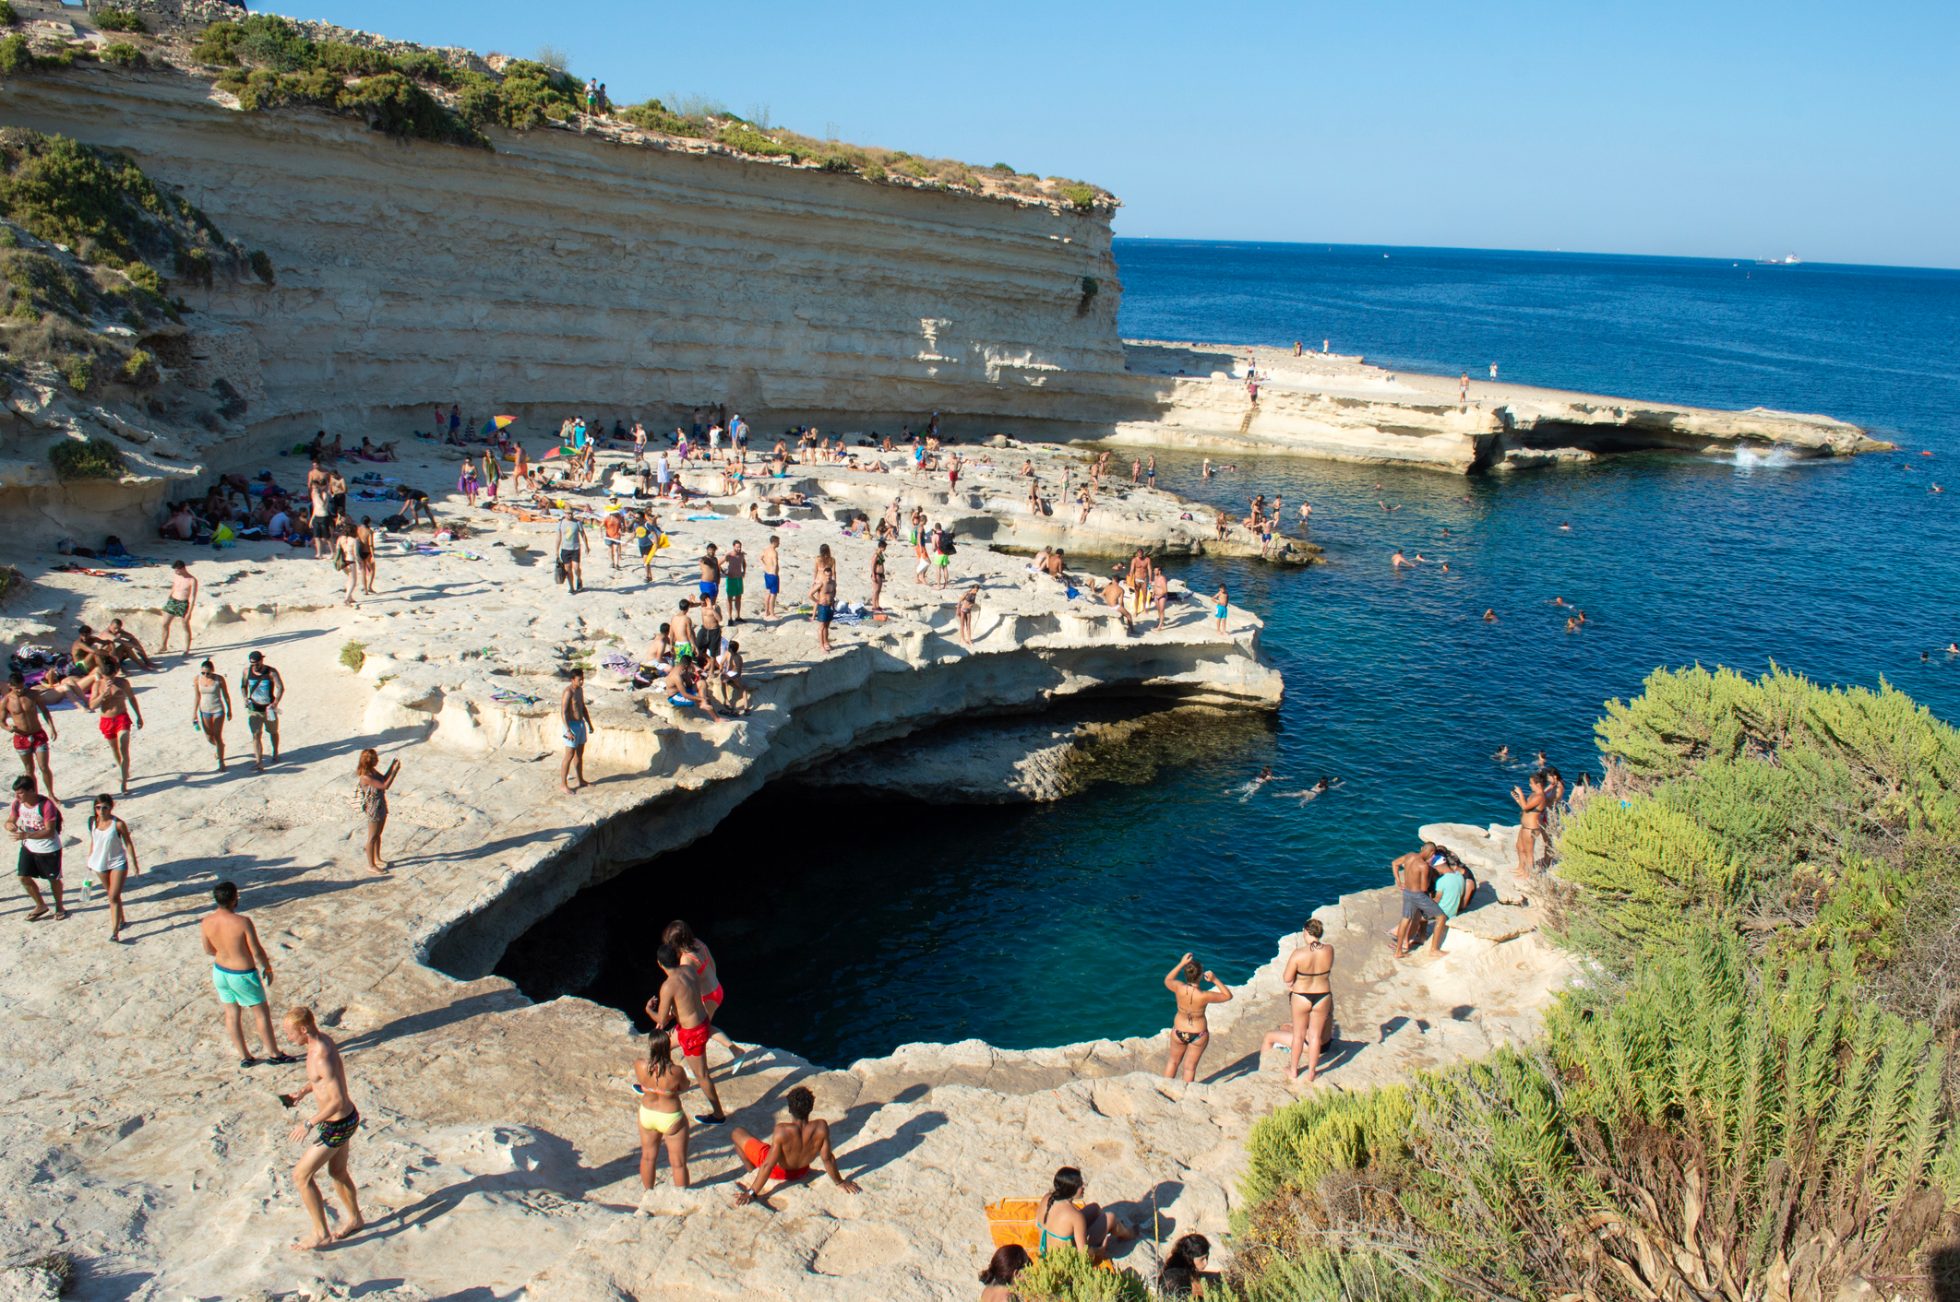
x,y
1040,926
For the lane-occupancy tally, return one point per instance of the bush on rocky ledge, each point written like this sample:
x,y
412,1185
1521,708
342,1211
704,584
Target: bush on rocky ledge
x,y
83,233
85,459
1751,1094
271,62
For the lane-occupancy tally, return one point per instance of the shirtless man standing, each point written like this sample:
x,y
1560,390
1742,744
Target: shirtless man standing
x,y
329,1135
678,1004
578,726
241,971
772,576
733,569
681,628
1416,874
319,520
793,1145
114,699
24,715
710,578
179,605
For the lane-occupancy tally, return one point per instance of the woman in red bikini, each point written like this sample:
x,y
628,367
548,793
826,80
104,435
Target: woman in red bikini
x,y
694,954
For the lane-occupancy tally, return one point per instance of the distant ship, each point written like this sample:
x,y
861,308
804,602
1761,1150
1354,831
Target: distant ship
x,y
1787,260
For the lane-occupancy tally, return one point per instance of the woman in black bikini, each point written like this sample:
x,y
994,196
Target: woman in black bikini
x,y
1310,993
1189,1033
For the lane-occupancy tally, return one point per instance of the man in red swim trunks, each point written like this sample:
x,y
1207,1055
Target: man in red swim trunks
x,y
115,700
678,1005
25,716
792,1147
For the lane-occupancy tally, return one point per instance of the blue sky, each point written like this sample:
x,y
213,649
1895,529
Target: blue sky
x,y
1718,127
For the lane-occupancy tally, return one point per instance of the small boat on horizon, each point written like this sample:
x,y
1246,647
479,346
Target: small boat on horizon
x,y
1787,260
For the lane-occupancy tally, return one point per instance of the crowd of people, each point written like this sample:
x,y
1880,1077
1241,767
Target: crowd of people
x,y
698,665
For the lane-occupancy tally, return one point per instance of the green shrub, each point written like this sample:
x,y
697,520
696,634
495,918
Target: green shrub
x,y
1003,169
194,265
1079,196
393,104
1711,1119
139,369
267,41
7,15
1771,803
79,371
654,116
68,193
15,56
122,54
120,20
353,655
262,266
85,459
1071,1275
743,137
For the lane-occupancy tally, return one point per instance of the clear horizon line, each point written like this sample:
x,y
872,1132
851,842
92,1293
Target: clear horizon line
x,y
1740,260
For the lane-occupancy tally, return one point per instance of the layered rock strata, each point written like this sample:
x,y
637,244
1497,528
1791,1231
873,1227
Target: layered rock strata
x,y
1343,409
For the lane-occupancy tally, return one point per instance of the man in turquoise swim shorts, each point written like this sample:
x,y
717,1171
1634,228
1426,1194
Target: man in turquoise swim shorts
x,y
241,971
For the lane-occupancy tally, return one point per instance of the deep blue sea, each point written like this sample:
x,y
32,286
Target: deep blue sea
x,y
1041,926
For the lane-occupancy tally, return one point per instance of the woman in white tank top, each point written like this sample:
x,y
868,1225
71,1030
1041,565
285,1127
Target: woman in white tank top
x,y
111,857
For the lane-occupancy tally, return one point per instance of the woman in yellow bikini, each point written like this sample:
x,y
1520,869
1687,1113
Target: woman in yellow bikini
x,y
659,1082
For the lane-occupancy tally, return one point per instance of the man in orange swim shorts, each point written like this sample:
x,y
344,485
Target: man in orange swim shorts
x,y
793,1146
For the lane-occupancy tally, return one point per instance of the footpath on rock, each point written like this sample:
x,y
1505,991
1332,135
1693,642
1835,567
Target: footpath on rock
x,y
499,1149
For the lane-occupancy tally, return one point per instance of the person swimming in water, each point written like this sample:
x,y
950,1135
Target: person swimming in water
x,y
1251,788
1503,755
1490,615
1319,788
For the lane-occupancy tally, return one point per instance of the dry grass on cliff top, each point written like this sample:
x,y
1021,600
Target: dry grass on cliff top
x,y
454,96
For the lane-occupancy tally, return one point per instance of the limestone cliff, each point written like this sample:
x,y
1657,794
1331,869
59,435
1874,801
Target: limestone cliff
x,y
563,273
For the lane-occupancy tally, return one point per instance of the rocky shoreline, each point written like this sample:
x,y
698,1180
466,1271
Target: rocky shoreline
x,y
498,1148
1342,408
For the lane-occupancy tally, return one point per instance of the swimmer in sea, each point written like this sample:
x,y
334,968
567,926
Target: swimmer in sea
x,y
1564,528
1572,625
1560,601
1247,791
1400,562
1319,788
1503,755
1490,616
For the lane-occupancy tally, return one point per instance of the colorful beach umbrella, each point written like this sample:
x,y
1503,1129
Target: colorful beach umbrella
x,y
549,455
